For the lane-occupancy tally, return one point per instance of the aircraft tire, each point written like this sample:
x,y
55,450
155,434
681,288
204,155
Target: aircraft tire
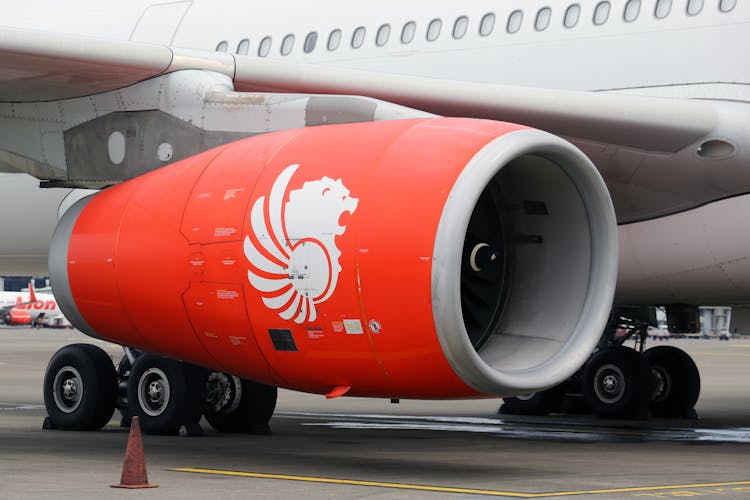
x,y
80,388
536,403
617,383
165,394
123,375
248,406
677,381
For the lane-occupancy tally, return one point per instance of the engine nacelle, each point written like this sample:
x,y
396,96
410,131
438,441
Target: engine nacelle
x,y
433,258
19,317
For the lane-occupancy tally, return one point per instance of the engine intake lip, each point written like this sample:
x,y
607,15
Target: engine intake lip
x,y
58,267
497,367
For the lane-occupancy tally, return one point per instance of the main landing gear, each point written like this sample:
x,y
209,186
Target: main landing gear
x,y
82,388
621,382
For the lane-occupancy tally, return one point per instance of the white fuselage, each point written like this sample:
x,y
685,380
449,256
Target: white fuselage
x,y
45,304
699,256
678,55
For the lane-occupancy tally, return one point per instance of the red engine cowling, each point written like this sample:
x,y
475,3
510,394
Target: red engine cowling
x,y
19,317
433,258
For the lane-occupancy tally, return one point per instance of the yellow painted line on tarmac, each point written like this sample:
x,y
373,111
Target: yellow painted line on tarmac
x,y
354,482
447,489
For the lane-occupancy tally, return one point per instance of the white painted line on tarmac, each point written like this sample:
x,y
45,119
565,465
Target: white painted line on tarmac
x,y
19,406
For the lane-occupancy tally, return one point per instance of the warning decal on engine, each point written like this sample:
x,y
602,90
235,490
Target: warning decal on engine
x,y
314,332
353,326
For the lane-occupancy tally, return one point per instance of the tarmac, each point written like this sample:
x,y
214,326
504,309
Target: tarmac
x,y
371,448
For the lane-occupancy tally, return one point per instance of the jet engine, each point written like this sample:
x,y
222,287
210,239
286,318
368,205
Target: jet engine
x,y
19,317
429,258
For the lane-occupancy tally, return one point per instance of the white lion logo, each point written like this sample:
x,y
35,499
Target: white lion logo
x,y
294,261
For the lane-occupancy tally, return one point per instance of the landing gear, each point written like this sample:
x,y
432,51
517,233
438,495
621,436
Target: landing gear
x,y
80,388
616,383
535,403
123,375
165,394
237,405
676,382
620,382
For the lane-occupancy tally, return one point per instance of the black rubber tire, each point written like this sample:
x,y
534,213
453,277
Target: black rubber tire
x,y
538,403
677,381
630,393
184,384
574,404
123,375
255,409
96,375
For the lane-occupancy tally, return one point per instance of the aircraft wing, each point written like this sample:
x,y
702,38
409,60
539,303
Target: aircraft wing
x,y
41,66
651,124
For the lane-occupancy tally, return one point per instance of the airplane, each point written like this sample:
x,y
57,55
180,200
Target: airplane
x,y
17,308
432,200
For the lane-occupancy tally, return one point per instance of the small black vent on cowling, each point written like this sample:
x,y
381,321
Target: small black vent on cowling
x,y
282,340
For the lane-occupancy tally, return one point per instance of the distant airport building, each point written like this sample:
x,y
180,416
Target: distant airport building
x,y
18,283
715,320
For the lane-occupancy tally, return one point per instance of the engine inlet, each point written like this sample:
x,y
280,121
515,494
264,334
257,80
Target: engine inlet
x,y
525,264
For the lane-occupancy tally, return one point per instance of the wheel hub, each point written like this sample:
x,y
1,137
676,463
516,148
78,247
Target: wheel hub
x,y
68,389
609,384
662,384
153,392
223,392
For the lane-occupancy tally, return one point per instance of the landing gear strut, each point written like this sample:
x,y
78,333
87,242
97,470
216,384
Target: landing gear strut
x,y
623,382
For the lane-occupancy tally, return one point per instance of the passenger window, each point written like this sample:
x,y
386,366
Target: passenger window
x,y
222,46
727,5
334,39
694,7
408,32
632,9
358,37
542,19
514,21
433,30
265,47
287,44
384,32
310,41
487,24
243,47
460,26
662,8
572,14
601,13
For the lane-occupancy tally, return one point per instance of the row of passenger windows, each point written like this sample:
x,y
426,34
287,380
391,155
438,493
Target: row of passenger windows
x,y
486,26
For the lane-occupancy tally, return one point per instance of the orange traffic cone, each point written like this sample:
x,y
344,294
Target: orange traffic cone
x,y
134,469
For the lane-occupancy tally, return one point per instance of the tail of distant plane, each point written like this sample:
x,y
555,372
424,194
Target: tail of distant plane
x,y
32,295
